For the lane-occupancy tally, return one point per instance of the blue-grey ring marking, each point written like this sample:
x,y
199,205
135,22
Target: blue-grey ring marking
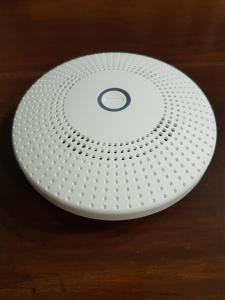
x,y
114,109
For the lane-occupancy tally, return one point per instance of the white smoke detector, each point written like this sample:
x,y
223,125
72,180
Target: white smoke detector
x,y
114,136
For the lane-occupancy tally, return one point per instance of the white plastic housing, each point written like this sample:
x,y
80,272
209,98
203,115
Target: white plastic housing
x,y
114,136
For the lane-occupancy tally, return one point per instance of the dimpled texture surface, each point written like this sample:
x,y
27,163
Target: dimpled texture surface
x,y
112,178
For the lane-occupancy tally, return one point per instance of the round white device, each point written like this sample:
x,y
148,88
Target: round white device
x,y
114,136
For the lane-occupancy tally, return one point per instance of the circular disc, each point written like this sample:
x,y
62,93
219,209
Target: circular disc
x,y
114,136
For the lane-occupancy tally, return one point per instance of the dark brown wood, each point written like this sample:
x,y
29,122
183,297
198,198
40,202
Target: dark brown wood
x,y
47,253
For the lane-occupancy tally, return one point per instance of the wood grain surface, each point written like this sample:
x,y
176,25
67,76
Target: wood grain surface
x,y
46,253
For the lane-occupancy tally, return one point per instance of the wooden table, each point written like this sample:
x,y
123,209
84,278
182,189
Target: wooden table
x,y
46,253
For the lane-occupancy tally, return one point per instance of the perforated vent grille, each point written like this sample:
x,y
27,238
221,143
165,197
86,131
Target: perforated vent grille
x,y
105,177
